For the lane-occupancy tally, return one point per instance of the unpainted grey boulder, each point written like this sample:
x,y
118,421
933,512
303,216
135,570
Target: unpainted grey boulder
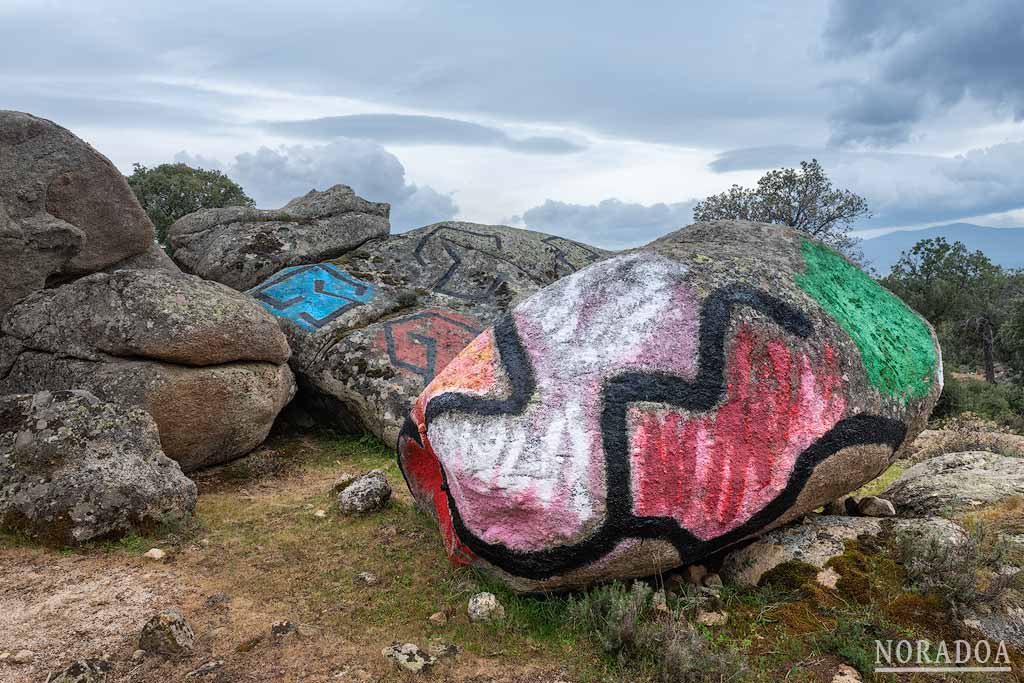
x,y
372,328
74,468
207,362
157,314
69,211
241,246
31,251
368,493
167,633
956,482
154,258
820,538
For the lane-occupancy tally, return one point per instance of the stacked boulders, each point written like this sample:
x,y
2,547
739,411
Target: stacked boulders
x,y
664,404
207,362
241,246
116,364
370,329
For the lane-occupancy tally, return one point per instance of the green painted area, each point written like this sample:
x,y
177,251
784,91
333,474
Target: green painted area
x,y
895,344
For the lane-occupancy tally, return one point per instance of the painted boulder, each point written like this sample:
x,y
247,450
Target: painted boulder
x,y
369,330
665,403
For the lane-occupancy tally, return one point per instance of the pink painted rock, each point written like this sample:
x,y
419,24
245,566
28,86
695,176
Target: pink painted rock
x,y
661,405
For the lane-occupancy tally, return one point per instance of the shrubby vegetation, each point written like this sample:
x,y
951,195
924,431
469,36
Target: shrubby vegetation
x,y
170,191
803,199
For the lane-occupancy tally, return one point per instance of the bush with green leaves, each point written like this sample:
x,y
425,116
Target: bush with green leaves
x,y
170,191
1001,403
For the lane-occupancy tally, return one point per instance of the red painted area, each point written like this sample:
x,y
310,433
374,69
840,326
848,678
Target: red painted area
x,y
423,472
712,473
472,372
441,326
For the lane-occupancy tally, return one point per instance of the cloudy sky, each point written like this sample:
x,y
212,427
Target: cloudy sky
x,y
596,120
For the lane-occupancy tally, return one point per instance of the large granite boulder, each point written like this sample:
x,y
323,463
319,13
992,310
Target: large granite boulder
x,y
65,210
371,329
207,362
666,403
241,246
74,469
956,482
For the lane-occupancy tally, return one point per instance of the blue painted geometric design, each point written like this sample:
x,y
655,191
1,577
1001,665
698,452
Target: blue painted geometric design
x,y
312,296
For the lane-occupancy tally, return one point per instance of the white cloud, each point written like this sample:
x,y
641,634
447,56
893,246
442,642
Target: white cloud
x,y
611,223
272,177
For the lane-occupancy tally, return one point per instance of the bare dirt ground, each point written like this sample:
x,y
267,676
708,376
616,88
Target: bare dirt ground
x,y
259,555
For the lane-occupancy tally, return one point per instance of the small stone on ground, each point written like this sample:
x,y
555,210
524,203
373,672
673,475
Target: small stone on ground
x,y
409,657
484,607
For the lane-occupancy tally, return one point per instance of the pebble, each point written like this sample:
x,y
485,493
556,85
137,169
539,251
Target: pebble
x,y
367,578
712,618
438,618
409,657
846,674
484,607
23,657
154,554
872,506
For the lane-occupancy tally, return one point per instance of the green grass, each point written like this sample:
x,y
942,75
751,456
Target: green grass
x,y
257,536
884,481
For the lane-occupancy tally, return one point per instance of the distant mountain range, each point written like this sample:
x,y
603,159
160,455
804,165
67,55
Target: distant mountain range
x,y
1004,246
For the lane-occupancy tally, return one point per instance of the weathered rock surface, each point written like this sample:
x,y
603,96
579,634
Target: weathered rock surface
x,y
998,622
409,657
83,671
156,314
167,633
205,361
371,329
873,506
242,246
367,493
664,404
956,482
932,443
74,469
154,258
32,250
484,607
69,211
820,538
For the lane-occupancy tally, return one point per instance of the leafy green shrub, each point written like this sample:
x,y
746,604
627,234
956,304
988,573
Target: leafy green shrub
x,y
171,191
1002,403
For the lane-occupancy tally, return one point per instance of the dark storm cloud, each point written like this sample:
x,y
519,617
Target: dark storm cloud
x,y
906,189
423,130
930,55
611,223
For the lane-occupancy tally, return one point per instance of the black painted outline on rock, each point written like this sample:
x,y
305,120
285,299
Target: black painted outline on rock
x,y
359,287
429,343
703,393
